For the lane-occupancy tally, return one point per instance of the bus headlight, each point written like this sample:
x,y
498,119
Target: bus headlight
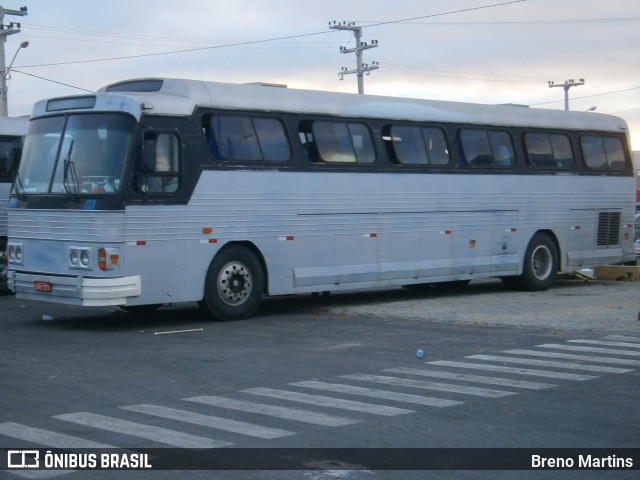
x,y
80,258
15,252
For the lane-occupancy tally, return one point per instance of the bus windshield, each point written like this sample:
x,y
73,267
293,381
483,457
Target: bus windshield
x,y
75,154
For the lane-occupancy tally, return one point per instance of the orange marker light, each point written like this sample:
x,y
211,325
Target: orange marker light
x,y
102,259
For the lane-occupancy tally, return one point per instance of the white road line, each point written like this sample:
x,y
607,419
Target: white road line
x,y
589,349
508,382
445,387
295,414
39,474
536,353
605,343
374,393
156,434
329,402
243,428
47,438
549,363
623,338
519,371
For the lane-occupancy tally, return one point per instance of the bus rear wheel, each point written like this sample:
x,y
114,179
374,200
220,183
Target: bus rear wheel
x,y
234,284
540,264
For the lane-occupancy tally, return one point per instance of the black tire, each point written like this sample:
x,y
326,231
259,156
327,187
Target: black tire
x,y
540,264
234,284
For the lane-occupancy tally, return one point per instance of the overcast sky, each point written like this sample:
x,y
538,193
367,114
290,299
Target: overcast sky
x,y
485,51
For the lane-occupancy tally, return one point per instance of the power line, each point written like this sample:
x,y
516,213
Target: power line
x,y
457,74
589,96
521,22
187,50
52,81
255,42
463,10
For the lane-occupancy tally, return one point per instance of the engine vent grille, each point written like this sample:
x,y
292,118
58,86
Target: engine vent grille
x,y
608,229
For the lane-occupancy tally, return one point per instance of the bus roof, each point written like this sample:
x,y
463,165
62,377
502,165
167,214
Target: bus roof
x,y
14,126
169,96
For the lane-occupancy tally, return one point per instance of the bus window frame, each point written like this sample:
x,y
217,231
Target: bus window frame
x,y
572,167
145,171
388,138
308,137
213,141
492,148
607,165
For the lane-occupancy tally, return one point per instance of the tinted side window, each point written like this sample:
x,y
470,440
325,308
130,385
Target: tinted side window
x,y
411,145
9,154
603,153
338,142
160,166
238,138
482,148
548,150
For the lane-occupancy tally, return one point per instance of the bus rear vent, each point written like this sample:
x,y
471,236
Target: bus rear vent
x,y
608,228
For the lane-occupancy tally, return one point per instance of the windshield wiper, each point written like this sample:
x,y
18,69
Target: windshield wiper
x,y
70,170
18,186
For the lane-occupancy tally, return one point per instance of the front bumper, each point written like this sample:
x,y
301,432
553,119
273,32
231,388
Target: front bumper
x,y
81,291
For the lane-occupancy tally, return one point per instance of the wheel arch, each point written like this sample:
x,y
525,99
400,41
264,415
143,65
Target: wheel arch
x,y
255,250
554,237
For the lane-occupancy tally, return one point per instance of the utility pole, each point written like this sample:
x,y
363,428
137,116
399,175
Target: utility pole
x,y
566,85
5,31
361,68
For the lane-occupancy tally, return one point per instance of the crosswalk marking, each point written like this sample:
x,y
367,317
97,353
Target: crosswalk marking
x,y
572,356
623,338
445,387
589,349
47,438
606,343
519,371
329,402
472,378
156,434
295,414
549,363
374,393
210,421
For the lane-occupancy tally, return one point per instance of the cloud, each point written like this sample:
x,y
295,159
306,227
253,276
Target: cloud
x,y
502,54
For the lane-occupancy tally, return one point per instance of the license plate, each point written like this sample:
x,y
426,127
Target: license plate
x,y
42,286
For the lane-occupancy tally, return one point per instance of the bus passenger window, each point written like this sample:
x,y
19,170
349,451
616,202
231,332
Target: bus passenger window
x,y
436,144
272,139
339,142
603,153
487,148
411,145
407,145
160,164
548,150
237,138
9,152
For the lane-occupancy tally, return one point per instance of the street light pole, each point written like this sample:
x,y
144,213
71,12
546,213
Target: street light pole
x,y
566,86
361,68
5,31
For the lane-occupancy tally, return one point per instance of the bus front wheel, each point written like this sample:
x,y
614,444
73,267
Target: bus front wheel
x,y
234,284
540,264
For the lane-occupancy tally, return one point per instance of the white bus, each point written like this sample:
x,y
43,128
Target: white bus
x,y
155,191
12,131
